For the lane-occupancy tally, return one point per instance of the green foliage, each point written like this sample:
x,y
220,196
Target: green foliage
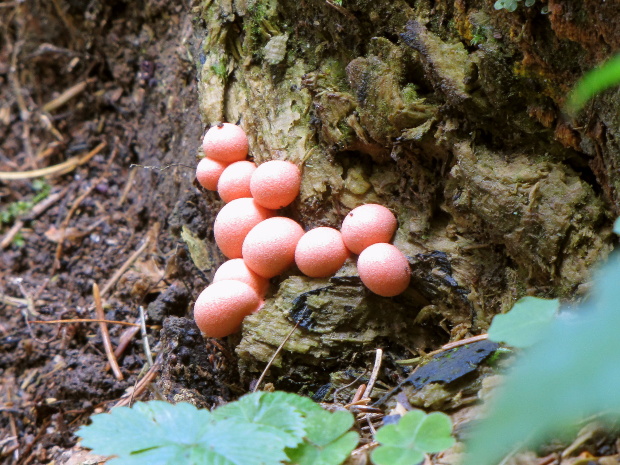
x,y
594,82
328,439
219,69
511,5
573,371
617,226
415,434
524,324
259,429
16,209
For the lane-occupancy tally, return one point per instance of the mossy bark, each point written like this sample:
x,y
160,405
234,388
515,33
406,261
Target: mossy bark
x,y
450,114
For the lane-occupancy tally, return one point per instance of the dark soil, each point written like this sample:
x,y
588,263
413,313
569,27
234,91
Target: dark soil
x,y
138,99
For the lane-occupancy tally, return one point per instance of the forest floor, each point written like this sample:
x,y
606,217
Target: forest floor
x,y
87,89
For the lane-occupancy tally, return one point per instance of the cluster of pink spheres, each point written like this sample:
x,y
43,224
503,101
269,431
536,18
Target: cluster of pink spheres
x,y
261,245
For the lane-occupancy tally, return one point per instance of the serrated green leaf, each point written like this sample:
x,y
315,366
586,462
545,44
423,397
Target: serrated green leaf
x,y
593,82
524,324
416,433
160,433
278,413
328,440
333,453
572,372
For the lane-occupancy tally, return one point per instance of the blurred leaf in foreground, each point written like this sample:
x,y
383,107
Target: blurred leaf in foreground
x,y
594,82
572,372
526,321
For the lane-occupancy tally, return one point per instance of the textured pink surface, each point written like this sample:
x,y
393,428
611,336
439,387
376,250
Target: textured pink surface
x,y
221,307
233,223
269,247
227,143
208,172
366,225
275,184
384,269
234,183
237,270
320,252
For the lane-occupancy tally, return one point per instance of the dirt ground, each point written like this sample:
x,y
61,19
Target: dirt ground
x,y
96,86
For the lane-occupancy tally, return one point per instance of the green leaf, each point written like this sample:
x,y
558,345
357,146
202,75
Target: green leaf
x,y
160,433
278,413
328,439
594,82
524,324
572,372
617,226
416,433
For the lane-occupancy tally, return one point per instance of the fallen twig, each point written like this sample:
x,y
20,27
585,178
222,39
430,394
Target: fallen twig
x,y
87,320
143,383
275,354
55,170
67,95
105,335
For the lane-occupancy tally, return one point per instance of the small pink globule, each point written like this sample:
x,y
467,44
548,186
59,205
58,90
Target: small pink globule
x,y
275,184
237,270
320,252
234,222
269,248
234,182
208,172
384,269
221,307
366,225
226,142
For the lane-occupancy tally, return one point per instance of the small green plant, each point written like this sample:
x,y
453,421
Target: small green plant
x,y
16,209
220,70
525,323
415,434
573,371
511,5
258,429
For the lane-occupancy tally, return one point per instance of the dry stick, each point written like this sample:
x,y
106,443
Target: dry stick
x,y
145,339
87,320
24,113
67,95
36,211
65,223
371,384
105,335
375,373
275,354
143,383
462,342
124,342
112,281
55,170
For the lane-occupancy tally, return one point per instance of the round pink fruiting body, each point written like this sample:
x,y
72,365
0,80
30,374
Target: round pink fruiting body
x,y
226,142
221,307
208,172
234,222
234,183
366,225
384,269
275,184
269,247
237,270
321,252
